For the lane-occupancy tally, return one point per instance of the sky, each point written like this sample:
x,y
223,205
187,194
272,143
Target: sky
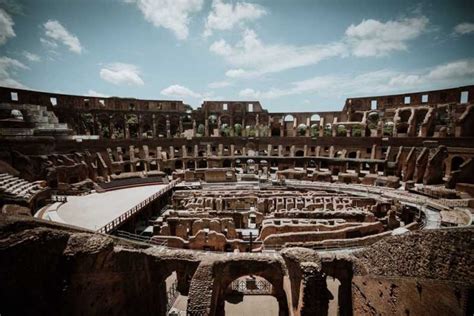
x,y
303,55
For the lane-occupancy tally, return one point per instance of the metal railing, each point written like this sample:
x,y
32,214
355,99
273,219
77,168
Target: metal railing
x,y
252,286
113,225
141,238
172,294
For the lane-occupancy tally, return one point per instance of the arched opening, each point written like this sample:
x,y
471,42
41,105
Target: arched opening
x,y
405,116
202,164
227,163
132,122
302,129
372,120
190,165
289,118
250,295
314,130
249,273
341,130
328,129
299,153
315,118
178,164
456,163
275,131
352,155
388,129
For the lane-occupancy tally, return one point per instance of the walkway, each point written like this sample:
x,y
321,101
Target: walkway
x,y
95,210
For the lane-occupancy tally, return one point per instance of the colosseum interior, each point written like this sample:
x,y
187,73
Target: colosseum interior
x,y
121,206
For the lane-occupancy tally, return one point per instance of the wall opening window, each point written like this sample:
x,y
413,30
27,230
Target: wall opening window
x,y
464,97
224,107
102,101
424,98
407,100
53,101
14,96
373,105
250,107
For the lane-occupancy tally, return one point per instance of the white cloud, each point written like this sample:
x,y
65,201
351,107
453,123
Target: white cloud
x,y
122,74
93,93
48,43
375,38
224,16
7,66
31,57
219,84
170,14
177,90
252,57
385,81
6,27
58,33
464,28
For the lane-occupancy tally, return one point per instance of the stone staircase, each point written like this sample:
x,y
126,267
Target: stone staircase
x,y
40,121
14,188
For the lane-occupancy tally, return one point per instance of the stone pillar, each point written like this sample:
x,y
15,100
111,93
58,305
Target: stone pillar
x,y
184,151
257,126
120,154
206,127
146,153
111,127
269,150
321,127
282,126
139,129
308,127
168,128
220,150
344,296
196,151
305,150
318,151
153,117
292,151
232,149
171,152
331,152
280,150
194,129
180,127
158,153
244,151
373,154
131,152
315,296
209,153
126,131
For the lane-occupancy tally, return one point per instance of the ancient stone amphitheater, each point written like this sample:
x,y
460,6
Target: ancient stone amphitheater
x,y
120,206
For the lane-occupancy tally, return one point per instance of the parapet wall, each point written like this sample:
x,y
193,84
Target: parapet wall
x,y
52,269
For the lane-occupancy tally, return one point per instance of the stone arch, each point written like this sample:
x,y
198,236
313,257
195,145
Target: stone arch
x,y
222,273
288,118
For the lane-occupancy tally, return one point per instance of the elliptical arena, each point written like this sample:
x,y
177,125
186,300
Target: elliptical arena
x,y
118,206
